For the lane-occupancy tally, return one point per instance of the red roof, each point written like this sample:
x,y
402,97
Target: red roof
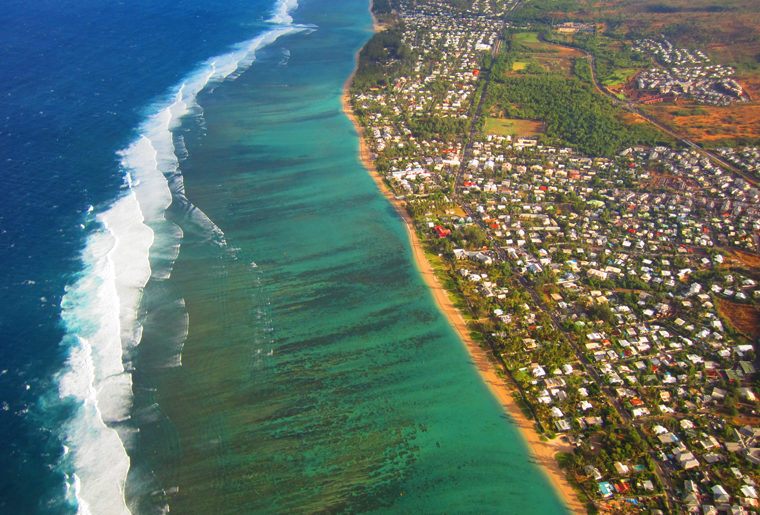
x,y
442,233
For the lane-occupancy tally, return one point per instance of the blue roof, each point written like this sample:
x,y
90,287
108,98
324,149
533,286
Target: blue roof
x,y
606,489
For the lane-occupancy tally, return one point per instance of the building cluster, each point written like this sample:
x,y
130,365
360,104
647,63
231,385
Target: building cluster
x,y
746,158
624,253
664,51
448,49
574,27
689,74
608,284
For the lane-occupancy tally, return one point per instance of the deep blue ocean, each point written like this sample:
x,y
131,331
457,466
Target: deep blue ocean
x,y
207,306
78,79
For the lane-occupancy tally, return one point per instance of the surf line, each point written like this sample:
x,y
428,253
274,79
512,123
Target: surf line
x,y
131,241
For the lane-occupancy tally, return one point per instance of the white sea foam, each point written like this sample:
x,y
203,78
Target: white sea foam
x,y
93,310
82,507
281,12
134,243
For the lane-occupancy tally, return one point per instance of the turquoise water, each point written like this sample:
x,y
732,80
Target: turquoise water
x,y
316,371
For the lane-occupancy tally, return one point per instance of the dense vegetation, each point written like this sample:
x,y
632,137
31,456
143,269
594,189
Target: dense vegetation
x,y
609,57
443,128
383,6
384,55
572,111
462,5
544,11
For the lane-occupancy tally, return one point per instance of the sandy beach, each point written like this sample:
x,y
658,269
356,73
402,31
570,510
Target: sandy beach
x,y
543,451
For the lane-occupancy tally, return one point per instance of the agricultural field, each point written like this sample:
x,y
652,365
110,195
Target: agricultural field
x,y
513,127
528,40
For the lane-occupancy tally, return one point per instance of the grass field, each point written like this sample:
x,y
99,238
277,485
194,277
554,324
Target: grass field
x,y
531,53
513,127
621,76
523,38
529,42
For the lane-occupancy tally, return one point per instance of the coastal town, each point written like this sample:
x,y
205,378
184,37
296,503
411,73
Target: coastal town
x,y
687,73
617,294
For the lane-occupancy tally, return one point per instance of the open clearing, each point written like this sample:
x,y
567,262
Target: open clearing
x,y
745,318
513,127
551,58
621,76
715,126
747,258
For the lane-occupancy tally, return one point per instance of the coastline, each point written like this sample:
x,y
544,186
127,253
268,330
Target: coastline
x,y
376,26
542,452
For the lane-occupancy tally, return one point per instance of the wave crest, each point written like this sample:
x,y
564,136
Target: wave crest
x,y
281,12
133,243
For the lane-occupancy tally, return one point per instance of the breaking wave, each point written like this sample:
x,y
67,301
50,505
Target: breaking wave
x,y
131,241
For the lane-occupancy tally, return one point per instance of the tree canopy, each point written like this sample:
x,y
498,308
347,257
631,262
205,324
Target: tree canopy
x,y
383,55
572,111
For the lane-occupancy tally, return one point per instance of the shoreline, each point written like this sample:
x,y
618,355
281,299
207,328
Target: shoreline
x,y
376,26
541,452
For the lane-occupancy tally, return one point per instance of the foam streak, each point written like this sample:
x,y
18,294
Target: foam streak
x,y
134,243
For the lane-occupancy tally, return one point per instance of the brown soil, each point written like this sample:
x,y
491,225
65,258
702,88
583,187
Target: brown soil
x,y
746,258
745,318
741,120
745,420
